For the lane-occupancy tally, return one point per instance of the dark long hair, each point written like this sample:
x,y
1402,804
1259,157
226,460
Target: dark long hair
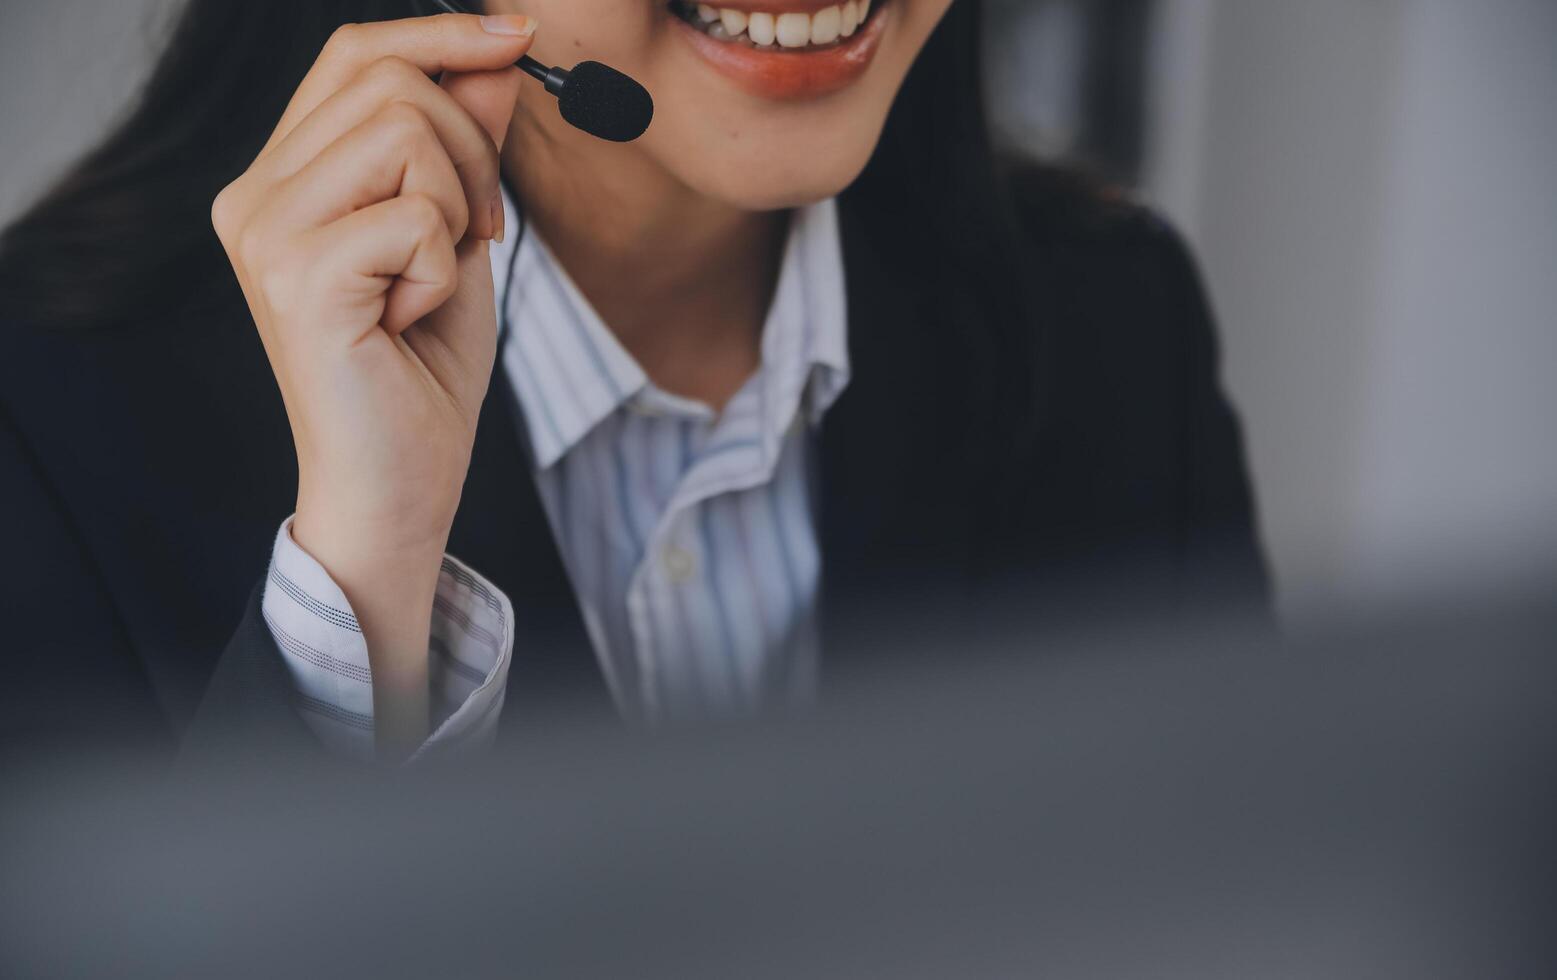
x,y
125,238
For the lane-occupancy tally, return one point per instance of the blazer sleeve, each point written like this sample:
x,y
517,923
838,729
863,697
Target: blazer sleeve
x,y
248,709
71,679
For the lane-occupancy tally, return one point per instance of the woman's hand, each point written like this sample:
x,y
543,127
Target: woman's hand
x,y
359,236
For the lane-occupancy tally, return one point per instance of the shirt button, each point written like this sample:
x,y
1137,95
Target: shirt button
x,y
679,564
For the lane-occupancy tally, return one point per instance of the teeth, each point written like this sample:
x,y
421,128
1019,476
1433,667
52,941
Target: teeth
x,y
826,25
759,27
734,21
787,30
794,30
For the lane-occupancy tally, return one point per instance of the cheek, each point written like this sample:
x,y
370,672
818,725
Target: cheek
x,y
617,32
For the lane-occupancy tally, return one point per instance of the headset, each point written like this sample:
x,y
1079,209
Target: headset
x,y
593,97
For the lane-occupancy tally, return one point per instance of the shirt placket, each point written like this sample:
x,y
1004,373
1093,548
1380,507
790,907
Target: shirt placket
x,y
675,556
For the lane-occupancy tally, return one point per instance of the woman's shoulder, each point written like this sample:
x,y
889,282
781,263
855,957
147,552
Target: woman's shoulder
x,y
1117,269
1087,223
175,396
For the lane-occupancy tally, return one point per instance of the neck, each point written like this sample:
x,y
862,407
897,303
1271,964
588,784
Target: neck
x,y
682,280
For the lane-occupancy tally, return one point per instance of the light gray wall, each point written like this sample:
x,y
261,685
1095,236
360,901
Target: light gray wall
x,y
1282,192
1457,485
66,69
1368,183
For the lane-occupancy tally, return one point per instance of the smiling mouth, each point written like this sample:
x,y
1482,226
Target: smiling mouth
x,y
788,55
782,32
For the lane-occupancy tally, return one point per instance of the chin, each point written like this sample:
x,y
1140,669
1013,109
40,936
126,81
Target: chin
x,y
770,174
762,155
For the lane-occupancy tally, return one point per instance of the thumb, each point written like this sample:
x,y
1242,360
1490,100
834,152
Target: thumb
x,y
489,97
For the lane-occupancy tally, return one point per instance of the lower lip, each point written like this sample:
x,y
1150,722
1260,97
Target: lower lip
x,y
793,75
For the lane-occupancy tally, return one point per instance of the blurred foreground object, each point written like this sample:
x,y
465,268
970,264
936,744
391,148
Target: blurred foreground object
x,y
1376,804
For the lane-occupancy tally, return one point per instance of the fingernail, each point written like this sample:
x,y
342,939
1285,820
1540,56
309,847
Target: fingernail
x,y
509,25
499,220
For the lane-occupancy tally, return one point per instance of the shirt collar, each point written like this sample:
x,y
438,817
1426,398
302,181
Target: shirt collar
x,y
810,310
570,372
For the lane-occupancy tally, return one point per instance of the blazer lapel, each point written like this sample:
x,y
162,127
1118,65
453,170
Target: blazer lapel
x,y
889,447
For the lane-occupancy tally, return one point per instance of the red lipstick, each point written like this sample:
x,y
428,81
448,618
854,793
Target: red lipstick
x,y
774,72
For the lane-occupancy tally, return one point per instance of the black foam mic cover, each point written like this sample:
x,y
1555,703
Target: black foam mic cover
x,y
604,102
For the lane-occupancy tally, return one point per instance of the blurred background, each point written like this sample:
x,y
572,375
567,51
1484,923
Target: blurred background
x,y
1368,184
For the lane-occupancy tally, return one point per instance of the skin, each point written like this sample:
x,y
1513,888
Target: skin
x,y
360,238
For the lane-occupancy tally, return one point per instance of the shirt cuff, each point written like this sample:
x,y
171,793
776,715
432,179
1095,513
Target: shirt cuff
x,y
470,648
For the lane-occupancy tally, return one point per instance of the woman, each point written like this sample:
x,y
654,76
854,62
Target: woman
x,y
648,420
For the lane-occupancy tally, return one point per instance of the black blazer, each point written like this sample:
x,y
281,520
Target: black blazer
x,y
144,471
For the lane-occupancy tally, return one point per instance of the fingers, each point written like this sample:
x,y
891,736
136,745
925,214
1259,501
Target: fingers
x,y
490,98
396,151
469,113
459,338
376,166
396,255
445,43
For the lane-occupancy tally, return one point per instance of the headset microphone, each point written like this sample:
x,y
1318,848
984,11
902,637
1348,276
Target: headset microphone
x,y
593,97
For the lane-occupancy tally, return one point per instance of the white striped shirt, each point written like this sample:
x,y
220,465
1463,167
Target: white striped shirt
x,y
689,535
